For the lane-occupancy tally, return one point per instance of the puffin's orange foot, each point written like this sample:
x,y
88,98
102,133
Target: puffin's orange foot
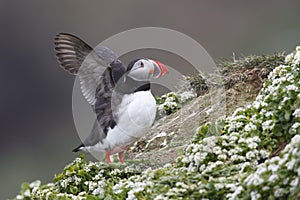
x,y
121,157
108,157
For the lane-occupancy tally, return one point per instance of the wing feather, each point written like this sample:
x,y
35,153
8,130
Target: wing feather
x,y
78,58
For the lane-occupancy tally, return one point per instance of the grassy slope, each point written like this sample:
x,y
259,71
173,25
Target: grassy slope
x,y
233,158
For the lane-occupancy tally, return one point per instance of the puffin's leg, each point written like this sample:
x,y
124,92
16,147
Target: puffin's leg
x,y
108,157
121,157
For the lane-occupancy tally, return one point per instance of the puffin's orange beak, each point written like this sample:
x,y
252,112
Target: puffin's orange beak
x,y
159,69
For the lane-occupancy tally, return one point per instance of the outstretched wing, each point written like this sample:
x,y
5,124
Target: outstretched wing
x,y
97,68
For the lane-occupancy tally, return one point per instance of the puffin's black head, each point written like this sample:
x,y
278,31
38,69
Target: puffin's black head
x,y
144,69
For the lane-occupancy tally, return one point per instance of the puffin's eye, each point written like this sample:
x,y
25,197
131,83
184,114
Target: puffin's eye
x,y
141,64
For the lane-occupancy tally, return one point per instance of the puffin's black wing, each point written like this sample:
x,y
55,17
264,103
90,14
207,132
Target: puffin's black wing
x,y
96,68
99,70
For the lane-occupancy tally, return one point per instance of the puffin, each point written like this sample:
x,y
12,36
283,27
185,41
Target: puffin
x,y
119,95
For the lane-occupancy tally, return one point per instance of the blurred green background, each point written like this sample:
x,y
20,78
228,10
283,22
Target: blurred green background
x,y
37,128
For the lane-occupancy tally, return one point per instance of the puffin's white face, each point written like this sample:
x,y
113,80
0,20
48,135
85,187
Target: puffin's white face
x,y
144,69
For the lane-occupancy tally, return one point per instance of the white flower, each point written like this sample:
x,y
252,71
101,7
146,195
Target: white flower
x,y
249,127
36,190
268,125
294,184
232,139
279,192
239,109
92,185
185,160
242,140
264,153
294,127
231,186
217,150
295,140
244,165
237,158
199,157
27,193
182,185
86,168
19,197
254,179
115,172
210,140
219,186
64,183
252,145
261,169
222,157
131,195
291,78
218,162
202,168
273,178
161,197
290,165
168,165
296,59
256,104
82,193
36,183
251,142
234,195
98,191
117,189
297,113
235,125
77,160
256,139
289,58
265,188
250,155
224,143
186,96
210,143
292,88
254,195
77,180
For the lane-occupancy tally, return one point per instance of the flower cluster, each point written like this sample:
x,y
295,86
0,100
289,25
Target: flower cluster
x,y
186,96
171,102
275,178
168,104
79,180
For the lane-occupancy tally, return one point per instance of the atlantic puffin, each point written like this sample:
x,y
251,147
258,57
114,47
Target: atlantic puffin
x,y
120,96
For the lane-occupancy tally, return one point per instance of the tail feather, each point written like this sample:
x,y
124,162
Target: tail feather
x,y
78,148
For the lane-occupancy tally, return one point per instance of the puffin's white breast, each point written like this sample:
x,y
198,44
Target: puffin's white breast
x,y
135,116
